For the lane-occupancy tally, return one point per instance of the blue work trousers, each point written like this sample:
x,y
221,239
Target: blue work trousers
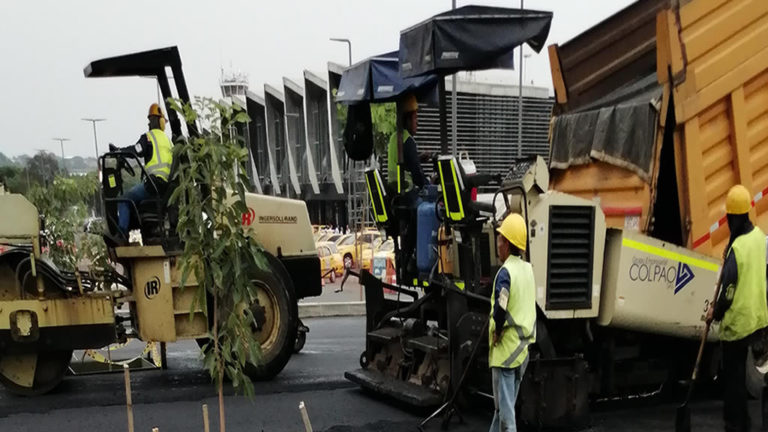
x,y
136,194
506,386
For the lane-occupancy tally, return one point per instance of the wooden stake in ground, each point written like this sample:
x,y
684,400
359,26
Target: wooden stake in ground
x,y
206,426
128,401
305,416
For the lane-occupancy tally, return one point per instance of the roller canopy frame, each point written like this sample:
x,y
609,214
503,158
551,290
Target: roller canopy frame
x,y
152,63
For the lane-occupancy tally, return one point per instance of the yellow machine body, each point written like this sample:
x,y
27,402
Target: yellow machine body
x,y
163,309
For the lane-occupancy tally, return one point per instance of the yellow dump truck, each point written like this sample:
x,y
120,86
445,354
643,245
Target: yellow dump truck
x,y
661,108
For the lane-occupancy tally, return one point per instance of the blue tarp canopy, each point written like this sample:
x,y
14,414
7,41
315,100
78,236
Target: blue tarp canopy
x,y
377,79
470,38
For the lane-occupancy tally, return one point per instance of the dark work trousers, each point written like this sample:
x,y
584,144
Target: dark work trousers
x,y
408,228
735,412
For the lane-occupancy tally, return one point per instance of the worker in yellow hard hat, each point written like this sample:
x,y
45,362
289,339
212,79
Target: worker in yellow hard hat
x,y
741,305
408,173
411,172
512,322
155,148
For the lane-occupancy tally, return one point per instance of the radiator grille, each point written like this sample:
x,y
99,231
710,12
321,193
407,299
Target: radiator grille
x,y
569,261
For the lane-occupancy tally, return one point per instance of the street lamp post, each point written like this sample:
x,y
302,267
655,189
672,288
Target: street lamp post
x,y
61,142
351,167
454,109
95,140
349,46
520,101
96,147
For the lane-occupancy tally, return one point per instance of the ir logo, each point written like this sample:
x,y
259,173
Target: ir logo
x,y
152,288
249,217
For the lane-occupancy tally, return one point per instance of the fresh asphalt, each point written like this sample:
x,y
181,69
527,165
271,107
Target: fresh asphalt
x,y
171,399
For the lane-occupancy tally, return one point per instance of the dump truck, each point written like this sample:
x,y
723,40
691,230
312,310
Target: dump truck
x,y
661,108
46,313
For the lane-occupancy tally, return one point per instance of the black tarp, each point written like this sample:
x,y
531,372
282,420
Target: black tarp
x,y
376,79
619,129
470,38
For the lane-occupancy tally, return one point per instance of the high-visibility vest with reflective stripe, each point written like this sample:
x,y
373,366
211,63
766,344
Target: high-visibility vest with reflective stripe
x,y
404,181
162,154
519,328
748,311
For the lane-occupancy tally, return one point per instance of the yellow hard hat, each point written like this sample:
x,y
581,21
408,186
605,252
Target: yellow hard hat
x,y
409,104
513,229
738,201
155,110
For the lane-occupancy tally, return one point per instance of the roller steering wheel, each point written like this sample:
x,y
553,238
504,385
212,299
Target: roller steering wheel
x,y
125,165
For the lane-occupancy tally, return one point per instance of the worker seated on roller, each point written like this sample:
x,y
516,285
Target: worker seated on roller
x,y
156,149
407,177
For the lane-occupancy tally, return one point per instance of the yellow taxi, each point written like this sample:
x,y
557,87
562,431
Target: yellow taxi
x,y
331,263
383,262
348,248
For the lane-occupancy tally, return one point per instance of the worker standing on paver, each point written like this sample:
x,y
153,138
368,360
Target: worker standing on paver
x,y
408,111
404,176
741,305
513,321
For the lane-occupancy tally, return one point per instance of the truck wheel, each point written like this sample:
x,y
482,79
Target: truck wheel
x,y
47,367
276,314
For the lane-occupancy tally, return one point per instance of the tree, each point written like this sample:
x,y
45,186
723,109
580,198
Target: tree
x,y
5,160
65,205
384,118
12,178
218,250
43,167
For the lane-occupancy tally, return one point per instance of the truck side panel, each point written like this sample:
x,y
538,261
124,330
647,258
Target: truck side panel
x,y
721,108
624,197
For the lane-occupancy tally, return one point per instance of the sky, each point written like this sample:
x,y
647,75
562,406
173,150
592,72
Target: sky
x,y
46,44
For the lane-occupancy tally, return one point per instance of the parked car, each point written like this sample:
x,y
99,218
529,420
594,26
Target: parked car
x,y
383,262
331,264
350,246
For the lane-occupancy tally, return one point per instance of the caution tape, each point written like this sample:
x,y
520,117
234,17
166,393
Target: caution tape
x,y
150,348
723,220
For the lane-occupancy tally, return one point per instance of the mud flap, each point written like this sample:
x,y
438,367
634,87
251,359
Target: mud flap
x,y
555,394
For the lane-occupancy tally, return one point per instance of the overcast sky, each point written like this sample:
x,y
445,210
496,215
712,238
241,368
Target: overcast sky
x,y
46,44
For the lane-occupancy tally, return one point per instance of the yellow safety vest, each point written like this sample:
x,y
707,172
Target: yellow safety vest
x,y
162,154
520,325
748,311
403,184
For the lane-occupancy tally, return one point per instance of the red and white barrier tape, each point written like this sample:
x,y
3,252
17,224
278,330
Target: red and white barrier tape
x,y
722,221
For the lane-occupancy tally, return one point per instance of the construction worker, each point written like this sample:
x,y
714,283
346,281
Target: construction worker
x,y
408,110
156,149
741,305
512,322
411,174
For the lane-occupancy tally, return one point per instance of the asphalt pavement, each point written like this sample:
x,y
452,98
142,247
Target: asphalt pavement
x,y
171,399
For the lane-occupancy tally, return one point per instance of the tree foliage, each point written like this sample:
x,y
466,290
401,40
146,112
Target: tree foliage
x,y
65,204
384,118
218,250
43,167
13,179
